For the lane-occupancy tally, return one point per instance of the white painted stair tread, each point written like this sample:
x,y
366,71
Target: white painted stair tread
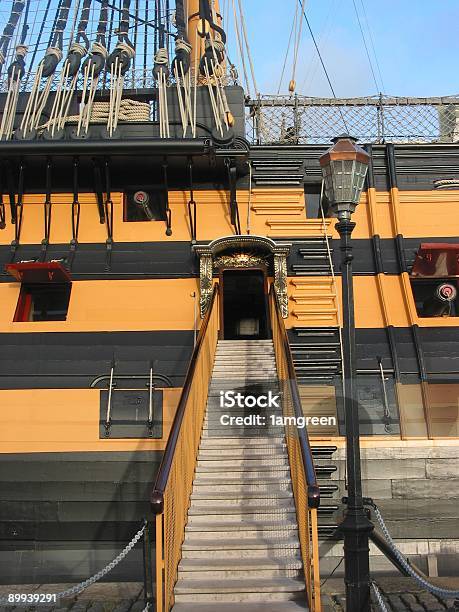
x,y
281,606
242,564
285,541
270,585
241,551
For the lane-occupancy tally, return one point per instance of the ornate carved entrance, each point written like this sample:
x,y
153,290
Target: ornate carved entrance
x,y
243,252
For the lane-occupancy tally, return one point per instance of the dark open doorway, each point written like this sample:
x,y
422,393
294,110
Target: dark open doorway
x,y
245,305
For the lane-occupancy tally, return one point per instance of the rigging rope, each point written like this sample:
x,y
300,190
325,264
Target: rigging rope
x,y
39,95
327,30
373,45
246,40
321,60
292,84
69,74
366,46
92,66
118,63
16,71
241,50
9,29
161,74
288,49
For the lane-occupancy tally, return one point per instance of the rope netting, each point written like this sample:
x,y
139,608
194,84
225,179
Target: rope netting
x,y
302,120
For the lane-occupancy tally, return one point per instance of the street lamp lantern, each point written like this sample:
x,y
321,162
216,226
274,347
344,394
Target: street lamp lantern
x,y
344,168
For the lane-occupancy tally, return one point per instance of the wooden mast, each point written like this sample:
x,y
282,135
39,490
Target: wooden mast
x,y
195,26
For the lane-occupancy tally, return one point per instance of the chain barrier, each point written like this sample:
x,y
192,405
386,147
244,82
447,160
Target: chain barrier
x,y
436,590
79,588
379,598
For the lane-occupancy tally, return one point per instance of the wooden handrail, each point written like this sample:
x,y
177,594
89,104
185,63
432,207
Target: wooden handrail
x,y
306,451
157,493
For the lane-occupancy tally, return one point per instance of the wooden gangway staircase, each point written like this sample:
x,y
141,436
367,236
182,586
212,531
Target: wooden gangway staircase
x,y
236,506
241,540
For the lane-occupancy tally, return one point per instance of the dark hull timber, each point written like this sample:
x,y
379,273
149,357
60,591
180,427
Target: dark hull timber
x,y
133,260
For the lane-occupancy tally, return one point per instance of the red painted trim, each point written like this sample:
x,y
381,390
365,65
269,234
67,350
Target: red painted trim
x,y
436,260
38,272
23,307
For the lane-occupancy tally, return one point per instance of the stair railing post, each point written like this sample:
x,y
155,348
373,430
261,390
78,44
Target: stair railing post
x,y
147,565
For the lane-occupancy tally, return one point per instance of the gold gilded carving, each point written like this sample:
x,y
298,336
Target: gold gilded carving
x,y
280,282
239,260
205,282
242,252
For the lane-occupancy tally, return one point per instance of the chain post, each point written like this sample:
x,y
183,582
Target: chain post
x,y
147,565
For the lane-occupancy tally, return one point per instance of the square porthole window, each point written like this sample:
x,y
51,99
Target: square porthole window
x,y
436,298
43,302
143,205
45,290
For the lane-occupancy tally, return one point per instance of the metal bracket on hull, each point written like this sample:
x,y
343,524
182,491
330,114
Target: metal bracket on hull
x,y
16,207
47,209
167,211
192,203
75,214
234,209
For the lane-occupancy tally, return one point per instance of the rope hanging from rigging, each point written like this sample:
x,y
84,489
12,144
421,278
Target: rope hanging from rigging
x,y
181,70
69,75
16,69
39,95
9,29
92,68
211,65
161,73
118,63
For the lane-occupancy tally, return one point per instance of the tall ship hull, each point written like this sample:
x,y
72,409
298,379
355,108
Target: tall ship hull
x,y
166,240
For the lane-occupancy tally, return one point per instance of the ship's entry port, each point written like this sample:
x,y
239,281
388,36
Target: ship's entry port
x,y
244,305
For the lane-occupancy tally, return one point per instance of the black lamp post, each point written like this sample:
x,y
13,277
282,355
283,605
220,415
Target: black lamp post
x,y
344,167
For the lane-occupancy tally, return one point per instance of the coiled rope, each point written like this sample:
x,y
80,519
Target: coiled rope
x,y
130,110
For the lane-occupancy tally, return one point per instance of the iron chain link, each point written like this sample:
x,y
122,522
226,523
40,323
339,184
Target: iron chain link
x,y
379,598
419,579
79,588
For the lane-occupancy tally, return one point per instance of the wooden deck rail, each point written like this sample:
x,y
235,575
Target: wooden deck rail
x,y
304,483
170,497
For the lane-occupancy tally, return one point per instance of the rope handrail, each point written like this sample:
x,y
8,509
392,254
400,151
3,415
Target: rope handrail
x,y
157,494
306,451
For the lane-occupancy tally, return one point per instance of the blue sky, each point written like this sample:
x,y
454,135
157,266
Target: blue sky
x,y
416,44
